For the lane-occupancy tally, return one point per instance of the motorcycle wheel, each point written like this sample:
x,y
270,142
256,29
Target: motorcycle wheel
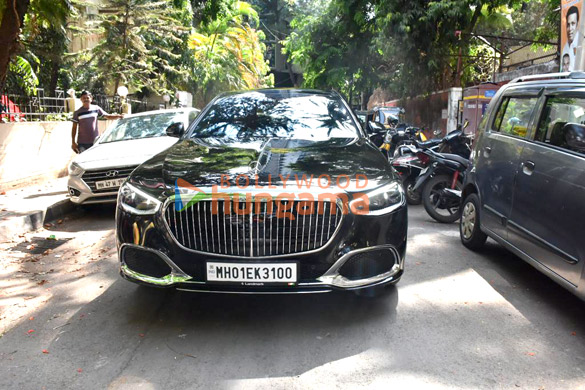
x,y
412,197
432,199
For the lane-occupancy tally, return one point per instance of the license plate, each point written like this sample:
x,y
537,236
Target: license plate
x,y
113,183
259,273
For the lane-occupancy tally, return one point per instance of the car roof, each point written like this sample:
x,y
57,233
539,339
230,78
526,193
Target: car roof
x,y
544,79
285,92
164,111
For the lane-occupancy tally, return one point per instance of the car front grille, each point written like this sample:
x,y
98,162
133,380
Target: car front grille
x,y
253,229
90,177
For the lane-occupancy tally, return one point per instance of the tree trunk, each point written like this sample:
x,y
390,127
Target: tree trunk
x,y
10,25
55,66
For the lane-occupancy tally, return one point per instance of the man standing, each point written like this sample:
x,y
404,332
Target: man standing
x,y
86,119
572,25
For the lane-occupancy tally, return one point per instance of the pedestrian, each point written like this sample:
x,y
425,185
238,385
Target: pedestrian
x,y
86,119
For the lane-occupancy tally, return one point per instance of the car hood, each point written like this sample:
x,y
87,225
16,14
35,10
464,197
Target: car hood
x,y
122,153
283,164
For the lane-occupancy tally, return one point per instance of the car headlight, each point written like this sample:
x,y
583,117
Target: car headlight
x,y
75,169
382,200
136,201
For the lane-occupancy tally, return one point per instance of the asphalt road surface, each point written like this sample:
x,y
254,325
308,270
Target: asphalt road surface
x,y
456,320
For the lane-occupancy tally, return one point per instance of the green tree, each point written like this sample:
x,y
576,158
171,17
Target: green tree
x,y
335,44
134,50
229,53
20,24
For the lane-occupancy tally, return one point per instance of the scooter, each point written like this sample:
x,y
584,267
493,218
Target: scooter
x,y
441,182
409,166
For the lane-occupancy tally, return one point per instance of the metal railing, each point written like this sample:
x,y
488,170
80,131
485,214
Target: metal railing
x,y
19,108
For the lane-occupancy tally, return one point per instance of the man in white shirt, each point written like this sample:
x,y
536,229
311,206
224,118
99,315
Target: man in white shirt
x,y
570,47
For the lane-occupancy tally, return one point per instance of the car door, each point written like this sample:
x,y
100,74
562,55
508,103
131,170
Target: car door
x,y
499,151
548,212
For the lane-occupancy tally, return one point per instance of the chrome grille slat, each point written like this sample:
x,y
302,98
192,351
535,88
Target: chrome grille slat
x,y
297,229
200,230
188,232
284,229
323,221
237,231
301,233
206,230
224,229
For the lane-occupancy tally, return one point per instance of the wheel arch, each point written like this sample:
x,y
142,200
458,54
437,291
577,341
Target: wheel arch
x,y
470,189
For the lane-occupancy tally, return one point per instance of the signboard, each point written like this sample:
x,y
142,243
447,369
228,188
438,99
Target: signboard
x,y
489,93
571,36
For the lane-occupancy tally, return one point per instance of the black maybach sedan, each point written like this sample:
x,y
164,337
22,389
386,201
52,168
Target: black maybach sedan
x,y
267,191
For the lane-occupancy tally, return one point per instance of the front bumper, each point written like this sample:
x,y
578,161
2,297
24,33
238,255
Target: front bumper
x,y
360,238
80,193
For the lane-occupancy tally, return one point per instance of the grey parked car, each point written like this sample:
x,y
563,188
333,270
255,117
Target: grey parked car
x,y
526,187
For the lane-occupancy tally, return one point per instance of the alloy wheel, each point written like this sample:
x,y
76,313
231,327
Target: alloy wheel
x,y
468,220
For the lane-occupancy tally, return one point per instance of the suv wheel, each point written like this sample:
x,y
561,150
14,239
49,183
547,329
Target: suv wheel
x,y
469,230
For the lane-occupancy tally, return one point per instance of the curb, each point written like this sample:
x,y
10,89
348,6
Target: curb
x,y
19,224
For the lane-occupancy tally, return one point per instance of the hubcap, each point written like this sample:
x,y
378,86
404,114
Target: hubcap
x,y
468,220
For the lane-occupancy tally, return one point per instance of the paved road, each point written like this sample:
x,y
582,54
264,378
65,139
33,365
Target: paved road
x,y
456,320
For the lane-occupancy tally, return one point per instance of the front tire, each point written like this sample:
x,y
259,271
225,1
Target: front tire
x,y
469,227
412,197
432,200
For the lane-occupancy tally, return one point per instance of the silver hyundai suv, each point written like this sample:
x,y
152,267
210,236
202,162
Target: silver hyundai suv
x,y
526,187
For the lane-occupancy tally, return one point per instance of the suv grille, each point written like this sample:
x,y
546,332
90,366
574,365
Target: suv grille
x,y
259,232
90,177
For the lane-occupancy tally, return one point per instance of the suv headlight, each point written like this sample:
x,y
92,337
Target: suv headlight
x,y
136,201
75,169
382,200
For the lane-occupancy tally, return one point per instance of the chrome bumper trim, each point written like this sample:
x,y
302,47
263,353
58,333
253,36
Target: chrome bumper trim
x,y
326,283
176,275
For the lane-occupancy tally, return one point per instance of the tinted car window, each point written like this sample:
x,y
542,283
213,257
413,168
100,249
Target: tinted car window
x,y
557,113
257,116
514,115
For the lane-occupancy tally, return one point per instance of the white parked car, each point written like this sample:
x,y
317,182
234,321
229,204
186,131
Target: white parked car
x,y
96,174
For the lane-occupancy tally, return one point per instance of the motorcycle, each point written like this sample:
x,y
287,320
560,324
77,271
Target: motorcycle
x,y
441,180
409,166
402,135
409,163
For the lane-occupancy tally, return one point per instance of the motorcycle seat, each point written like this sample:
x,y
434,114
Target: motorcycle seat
x,y
428,144
456,157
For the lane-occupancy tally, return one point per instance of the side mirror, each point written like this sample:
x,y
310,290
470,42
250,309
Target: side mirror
x,y
575,137
176,130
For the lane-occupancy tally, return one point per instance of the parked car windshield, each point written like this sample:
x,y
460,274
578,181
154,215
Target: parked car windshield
x,y
144,126
386,113
260,115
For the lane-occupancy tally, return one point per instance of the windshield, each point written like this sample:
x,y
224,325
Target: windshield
x,y
385,114
145,126
260,115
